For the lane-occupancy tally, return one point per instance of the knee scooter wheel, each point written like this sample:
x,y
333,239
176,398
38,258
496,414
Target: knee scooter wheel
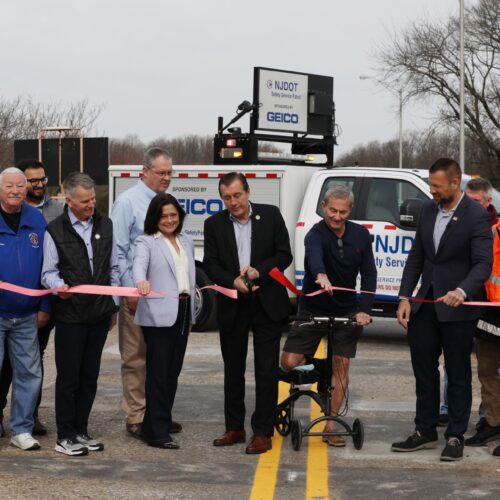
x,y
296,429
358,434
282,421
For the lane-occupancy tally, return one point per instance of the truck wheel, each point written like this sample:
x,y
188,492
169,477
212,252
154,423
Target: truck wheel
x,y
205,305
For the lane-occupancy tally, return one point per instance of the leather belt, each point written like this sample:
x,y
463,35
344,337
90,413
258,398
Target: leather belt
x,y
184,296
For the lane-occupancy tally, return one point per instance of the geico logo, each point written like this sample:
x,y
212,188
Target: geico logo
x,y
397,244
273,116
199,206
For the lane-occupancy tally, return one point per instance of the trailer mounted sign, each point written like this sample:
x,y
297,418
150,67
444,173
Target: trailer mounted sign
x,y
283,100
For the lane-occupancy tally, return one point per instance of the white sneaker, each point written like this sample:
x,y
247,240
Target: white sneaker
x,y
24,441
71,447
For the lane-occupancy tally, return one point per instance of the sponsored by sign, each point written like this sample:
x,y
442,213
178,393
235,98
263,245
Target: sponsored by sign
x,y
282,101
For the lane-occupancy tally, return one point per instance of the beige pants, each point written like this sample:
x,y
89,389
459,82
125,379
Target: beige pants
x,y
488,363
133,353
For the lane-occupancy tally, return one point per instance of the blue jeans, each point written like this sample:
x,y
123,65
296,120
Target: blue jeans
x,y
22,340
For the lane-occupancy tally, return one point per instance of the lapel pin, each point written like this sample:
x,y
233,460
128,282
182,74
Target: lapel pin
x,y
257,217
455,218
97,236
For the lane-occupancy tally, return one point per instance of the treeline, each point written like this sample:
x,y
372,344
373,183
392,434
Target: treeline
x,y
187,150
420,150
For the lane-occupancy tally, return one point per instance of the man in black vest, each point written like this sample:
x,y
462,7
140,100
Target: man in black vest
x,y
79,249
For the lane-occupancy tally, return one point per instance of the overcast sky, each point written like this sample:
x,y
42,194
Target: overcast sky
x,y
167,68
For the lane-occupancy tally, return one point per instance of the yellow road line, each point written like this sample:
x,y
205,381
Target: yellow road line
x,y
266,474
317,452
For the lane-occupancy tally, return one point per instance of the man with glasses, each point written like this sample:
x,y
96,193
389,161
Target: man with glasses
x,y
36,196
128,214
336,251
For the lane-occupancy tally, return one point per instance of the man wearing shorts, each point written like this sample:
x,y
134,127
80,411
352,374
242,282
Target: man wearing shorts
x,y
336,251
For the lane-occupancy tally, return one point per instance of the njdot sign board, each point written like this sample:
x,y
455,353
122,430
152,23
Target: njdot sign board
x,y
287,101
282,101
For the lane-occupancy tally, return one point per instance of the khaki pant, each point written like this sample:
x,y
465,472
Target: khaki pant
x,y
488,364
133,353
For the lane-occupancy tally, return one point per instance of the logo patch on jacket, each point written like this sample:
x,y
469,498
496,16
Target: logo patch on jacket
x,y
34,240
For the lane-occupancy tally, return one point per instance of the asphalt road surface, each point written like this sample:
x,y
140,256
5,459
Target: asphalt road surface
x,y
381,396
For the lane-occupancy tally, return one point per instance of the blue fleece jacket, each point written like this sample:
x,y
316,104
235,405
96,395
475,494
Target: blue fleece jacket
x,y
21,258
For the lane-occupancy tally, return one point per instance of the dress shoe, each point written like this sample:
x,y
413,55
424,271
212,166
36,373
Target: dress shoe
x,y
171,444
38,428
135,430
230,437
336,441
259,444
175,428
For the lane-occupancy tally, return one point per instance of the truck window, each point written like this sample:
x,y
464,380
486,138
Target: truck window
x,y
386,196
329,183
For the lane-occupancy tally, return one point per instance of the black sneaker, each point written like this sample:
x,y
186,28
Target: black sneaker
x,y
480,423
486,434
135,430
89,442
453,451
175,428
38,428
443,420
71,447
415,442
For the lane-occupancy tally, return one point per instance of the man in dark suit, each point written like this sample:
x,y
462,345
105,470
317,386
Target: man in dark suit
x,y
242,244
452,254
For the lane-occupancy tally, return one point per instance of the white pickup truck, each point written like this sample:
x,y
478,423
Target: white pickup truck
x,y
386,203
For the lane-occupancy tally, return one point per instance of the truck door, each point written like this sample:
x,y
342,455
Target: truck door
x,y
379,205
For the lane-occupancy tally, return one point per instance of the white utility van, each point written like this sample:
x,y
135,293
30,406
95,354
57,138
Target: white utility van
x,y
382,197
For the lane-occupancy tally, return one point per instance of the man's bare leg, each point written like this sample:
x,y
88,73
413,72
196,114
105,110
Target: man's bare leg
x,y
289,360
340,381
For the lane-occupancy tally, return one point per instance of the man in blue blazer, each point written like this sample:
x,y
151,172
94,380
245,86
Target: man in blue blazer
x,y
452,254
242,244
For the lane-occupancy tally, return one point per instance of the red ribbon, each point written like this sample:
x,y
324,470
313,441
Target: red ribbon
x,y
278,276
118,291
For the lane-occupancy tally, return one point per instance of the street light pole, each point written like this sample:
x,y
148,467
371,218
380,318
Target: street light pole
x,y
400,127
462,85
400,95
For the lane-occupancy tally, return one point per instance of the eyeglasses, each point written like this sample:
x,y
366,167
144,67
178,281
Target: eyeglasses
x,y
167,173
340,244
34,182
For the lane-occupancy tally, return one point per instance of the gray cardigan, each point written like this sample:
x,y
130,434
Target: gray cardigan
x,y
154,262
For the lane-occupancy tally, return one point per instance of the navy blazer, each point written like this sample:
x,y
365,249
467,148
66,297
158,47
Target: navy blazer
x,y
462,260
154,262
270,248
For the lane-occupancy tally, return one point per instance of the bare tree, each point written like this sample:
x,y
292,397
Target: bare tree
x,y
420,150
424,60
23,118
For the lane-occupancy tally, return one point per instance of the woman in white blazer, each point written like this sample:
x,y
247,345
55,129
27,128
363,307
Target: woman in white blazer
x,y
164,262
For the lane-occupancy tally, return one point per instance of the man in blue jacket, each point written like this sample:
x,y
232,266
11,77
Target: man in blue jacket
x,y
337,250
37,197
21,242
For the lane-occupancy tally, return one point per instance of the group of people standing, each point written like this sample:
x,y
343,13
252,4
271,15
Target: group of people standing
x,y
143,245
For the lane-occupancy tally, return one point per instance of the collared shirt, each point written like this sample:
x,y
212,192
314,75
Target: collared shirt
x,y
50,268
181,264
442,219
128,215
243,234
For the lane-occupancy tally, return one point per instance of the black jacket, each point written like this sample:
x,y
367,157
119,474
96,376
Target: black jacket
x,y
74,269
270,248
463,259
